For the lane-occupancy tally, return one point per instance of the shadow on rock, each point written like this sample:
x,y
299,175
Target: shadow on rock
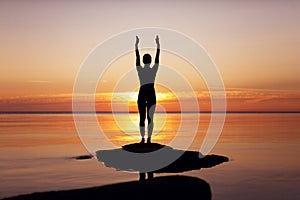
x,y
138,159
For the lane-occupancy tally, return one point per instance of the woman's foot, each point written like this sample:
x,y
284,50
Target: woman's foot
x,y
149,140
142,141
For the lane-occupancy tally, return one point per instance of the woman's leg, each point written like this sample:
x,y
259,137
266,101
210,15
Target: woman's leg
x,y
151,105
150,118
142,112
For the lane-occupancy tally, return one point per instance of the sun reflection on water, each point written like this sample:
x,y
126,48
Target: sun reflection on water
x,y
124,128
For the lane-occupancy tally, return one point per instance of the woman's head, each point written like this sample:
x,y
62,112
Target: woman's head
x,y
146,59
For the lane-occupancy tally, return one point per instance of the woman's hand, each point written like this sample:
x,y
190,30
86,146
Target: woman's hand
x,y
157,40
137,40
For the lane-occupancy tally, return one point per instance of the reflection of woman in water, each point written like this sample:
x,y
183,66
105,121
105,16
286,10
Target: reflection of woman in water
x,y
146,99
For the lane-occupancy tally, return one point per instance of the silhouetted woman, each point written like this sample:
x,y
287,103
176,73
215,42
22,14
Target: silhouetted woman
x,y
147,98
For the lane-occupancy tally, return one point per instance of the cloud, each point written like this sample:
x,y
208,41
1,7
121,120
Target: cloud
x,y
38,81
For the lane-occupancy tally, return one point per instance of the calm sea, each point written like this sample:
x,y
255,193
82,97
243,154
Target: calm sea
x,y
37,153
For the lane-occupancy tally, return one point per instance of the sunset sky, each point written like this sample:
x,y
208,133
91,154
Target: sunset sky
x,y
255,45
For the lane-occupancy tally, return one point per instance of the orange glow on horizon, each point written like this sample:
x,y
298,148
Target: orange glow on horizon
x,y
238,100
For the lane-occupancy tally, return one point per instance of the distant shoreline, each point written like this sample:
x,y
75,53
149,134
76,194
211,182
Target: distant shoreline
x,y
204,112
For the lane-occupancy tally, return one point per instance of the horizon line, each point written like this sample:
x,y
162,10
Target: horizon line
x,y
135,112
